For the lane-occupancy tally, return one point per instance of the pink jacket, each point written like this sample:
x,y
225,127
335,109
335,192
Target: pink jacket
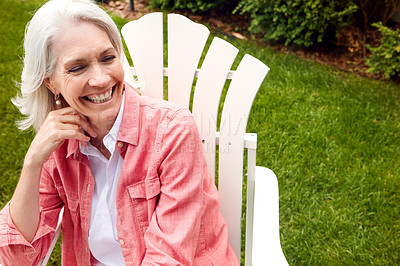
x,y
167,203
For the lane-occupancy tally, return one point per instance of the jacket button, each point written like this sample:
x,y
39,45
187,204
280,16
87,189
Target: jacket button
x,y
121,242
120,144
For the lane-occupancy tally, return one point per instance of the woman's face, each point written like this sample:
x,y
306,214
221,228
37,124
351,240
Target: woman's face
x,y
88,72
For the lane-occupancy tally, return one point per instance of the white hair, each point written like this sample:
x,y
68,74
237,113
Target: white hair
x,y
35,100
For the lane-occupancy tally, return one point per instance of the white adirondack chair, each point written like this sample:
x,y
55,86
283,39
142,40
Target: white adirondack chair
x,y
186,41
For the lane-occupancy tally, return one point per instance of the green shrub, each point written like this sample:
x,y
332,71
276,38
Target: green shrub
x,y
299,22
386,57
195,6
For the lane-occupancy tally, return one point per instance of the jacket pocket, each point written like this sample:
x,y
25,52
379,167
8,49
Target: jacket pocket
x,y
144,195
71,215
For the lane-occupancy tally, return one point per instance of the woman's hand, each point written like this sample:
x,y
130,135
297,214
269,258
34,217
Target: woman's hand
x,y
59,125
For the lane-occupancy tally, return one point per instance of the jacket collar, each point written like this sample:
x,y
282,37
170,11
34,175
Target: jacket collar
x,y
129,130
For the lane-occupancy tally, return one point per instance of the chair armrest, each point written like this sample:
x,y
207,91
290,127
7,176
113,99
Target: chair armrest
x,y
266,241
44,261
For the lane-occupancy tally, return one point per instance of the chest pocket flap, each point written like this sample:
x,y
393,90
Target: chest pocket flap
x,y
145,189
144,197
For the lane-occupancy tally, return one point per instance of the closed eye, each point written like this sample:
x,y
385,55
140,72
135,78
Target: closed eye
x,y
76,69
107,59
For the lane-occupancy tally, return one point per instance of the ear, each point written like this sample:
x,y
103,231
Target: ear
x,y
47,82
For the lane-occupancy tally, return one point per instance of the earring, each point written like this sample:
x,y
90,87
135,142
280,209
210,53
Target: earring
x,y
57,99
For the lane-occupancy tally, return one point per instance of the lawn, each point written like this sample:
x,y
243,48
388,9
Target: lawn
x,y
333,140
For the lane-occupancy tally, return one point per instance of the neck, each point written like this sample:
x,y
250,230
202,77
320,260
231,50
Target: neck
x,y
101,130
101,126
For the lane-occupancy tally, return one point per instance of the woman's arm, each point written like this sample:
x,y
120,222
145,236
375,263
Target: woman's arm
x,y
24,205
173,233
14,247
59,125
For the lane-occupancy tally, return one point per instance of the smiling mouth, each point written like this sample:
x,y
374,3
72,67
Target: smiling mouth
x,y
101,98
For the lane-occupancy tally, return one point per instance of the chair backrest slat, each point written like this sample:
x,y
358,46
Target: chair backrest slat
x,y
144,39
239,99
207,94
186,41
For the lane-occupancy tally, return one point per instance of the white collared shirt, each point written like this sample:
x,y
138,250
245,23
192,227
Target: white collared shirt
x,y
103,238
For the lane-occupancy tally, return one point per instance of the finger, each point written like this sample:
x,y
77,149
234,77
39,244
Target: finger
x,y
79,120
87,126
73,134
69,131
64,111
83,143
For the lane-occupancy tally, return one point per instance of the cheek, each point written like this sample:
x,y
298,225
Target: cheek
x,y
122,74
71,89
118,71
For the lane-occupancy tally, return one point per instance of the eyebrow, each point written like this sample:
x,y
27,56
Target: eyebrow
x,y
82,60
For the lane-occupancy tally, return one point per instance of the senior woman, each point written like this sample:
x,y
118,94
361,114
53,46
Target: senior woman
x,y
129,170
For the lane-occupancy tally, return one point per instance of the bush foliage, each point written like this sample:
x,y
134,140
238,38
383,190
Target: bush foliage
x,y
386,57
299,22
308,23
195,6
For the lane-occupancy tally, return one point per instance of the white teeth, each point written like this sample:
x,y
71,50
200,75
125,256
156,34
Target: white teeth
x,y
101,98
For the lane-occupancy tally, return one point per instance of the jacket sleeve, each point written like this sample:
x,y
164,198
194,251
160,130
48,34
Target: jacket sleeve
x,y
174,229
14,248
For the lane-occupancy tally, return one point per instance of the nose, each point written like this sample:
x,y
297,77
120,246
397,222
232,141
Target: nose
x,y
98,77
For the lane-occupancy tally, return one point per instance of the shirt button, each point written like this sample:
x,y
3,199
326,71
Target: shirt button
x,y
121,242
120,144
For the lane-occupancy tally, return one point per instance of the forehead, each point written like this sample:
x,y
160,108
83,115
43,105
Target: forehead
x,y
80,40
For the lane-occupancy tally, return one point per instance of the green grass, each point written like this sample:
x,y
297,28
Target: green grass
x,y
331,138
13,144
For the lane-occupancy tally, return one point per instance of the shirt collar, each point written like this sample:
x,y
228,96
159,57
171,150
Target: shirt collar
x,y
127,129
